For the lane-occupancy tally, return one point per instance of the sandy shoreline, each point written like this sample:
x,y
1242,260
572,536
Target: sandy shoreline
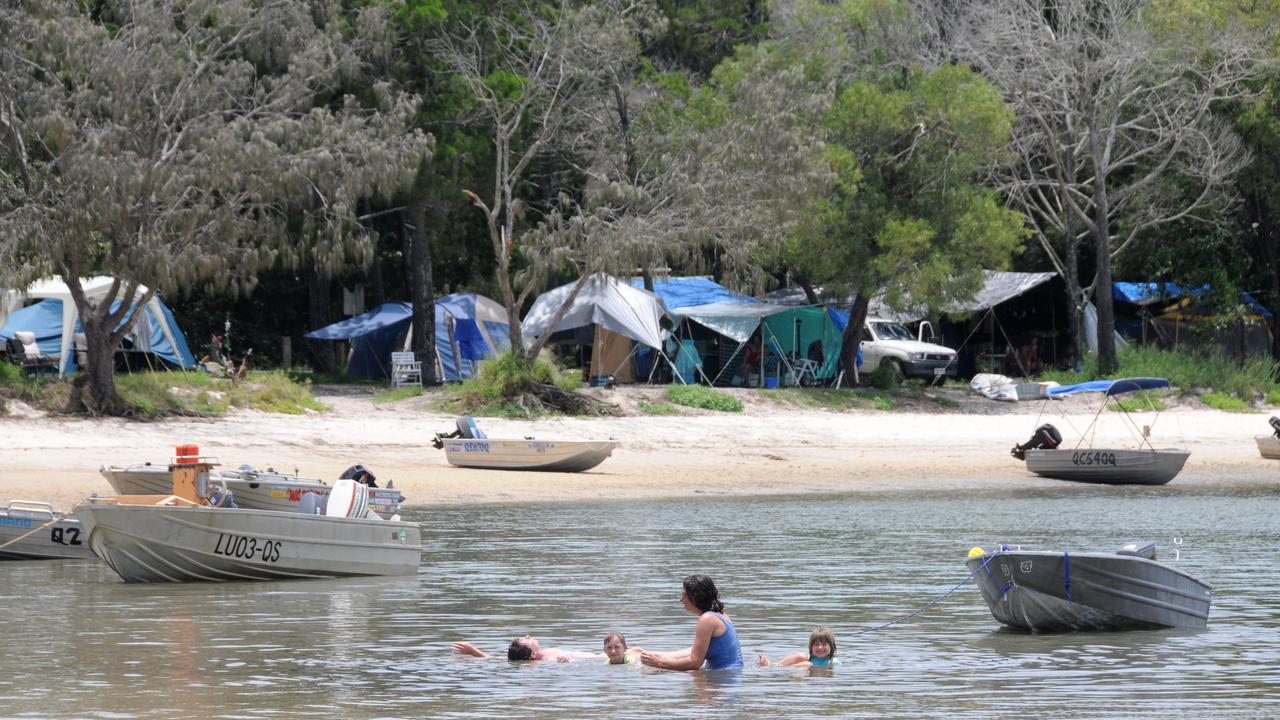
x,y
767,449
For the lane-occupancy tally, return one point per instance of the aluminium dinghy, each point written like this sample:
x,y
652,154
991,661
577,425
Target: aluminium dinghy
x,y
32,530
255,489
1041,591
187,536
468,446
1144,465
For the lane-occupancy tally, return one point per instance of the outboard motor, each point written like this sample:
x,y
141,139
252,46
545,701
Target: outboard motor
x,y
360,474
1275,424
1046,437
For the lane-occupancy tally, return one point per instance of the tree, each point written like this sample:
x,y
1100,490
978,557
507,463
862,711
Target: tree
x,y
1111,99
184,144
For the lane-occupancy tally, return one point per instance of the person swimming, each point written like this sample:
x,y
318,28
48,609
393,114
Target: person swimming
x,y
822,652
616,651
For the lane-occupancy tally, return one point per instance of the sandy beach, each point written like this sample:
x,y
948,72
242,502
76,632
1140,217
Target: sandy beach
x,y
769,448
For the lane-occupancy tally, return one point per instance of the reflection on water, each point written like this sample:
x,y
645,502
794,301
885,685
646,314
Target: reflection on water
x,y
77,642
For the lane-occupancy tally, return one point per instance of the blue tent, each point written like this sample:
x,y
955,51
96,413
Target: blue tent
x,y
841,319
150,334
678,292
1146,293
469,328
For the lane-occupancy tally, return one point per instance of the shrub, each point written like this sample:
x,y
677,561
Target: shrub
x,y
1223,401
882,378
1186,371
700,396
659,408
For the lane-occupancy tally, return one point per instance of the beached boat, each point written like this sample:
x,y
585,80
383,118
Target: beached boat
x,y
253,489
469,447
1147,465
1269,445
180,537
31,530
1042,591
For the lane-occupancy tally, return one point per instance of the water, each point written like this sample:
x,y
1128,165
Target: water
x,y
77,642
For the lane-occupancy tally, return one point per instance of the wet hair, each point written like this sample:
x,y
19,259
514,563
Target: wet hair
x,y
621,638
519,650
702,593
823,634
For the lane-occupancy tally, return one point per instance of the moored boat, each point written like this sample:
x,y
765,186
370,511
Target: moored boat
x,y
180,537
469,447
253,489
1269,445
1144,465
1043,591
32,530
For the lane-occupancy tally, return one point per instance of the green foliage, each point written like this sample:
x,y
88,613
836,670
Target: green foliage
x,y
1186,372
159,394
882,402
826,398
395,394
700,33
658,408
1142,401
700,396
1223,401
882,378
1273,396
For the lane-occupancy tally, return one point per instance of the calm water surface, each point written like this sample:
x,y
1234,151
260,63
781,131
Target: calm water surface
x,y
76,642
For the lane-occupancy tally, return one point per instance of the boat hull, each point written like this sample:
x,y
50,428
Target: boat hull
x,y
545,455
23,538
154,543
251,490
1108,466
1268,446
1088,592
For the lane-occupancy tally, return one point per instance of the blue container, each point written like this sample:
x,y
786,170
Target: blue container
x,y
771,382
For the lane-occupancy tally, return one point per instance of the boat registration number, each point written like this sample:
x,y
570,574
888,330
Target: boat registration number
x,y
248,548
476,447
1093,458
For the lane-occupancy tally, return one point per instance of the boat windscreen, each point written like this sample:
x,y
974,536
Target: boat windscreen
x,y
1111,387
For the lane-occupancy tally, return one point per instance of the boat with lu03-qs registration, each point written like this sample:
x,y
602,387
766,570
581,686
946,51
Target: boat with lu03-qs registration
x,y
468,446
186,537
1045,591
1147,465
254,489
32,530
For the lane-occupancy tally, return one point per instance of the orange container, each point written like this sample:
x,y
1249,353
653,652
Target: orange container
x,y
187,454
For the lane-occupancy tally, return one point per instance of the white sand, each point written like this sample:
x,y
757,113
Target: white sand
x,y
766,449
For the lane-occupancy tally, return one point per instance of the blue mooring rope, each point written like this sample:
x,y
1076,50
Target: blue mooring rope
x,y
936,600
1066,573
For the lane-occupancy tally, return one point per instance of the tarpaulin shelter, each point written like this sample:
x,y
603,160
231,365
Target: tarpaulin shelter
x,y
792,336
469,328
55,321
678,292
1174,315
610,315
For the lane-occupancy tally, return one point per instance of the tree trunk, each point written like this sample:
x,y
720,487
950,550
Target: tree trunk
x,y
421,288
1075,301
809,293
318,299
93,391
1107,363
853,336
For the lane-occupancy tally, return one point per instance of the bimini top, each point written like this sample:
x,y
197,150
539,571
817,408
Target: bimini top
x,y
1111,387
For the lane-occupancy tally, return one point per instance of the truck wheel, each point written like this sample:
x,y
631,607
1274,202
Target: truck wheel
x,y
895,371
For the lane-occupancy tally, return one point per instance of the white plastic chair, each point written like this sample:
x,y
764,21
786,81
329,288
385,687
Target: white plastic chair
x,y
405,369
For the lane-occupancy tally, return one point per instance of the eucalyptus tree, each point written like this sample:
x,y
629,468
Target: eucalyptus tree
x,y
1111,98
186,145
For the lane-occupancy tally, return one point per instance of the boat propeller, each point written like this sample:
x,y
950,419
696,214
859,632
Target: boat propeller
x,y
1046,437
1275,424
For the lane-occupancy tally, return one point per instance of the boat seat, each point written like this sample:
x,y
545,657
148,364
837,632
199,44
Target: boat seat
x,y
467,429
309,504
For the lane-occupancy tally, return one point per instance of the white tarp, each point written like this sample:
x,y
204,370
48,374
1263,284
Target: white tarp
x,y
95,289
733,320
997,287
605,301
10,300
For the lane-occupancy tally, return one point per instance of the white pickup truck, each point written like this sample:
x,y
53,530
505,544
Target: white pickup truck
x,y
885,341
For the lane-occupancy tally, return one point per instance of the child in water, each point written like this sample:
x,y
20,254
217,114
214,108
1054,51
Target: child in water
x,y
822,652
616,651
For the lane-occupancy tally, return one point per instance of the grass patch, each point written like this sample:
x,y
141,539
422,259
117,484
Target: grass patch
x,y
504,387
700,396
822,398
1141,401
1223,401
1273,396
945,402
1187,372
157,394
394,394
882,402
658,408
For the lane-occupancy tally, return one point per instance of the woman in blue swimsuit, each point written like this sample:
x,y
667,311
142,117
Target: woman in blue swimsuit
x,y
715,642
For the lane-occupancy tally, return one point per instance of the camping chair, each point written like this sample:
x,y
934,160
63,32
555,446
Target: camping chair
x,y
24,352
406,369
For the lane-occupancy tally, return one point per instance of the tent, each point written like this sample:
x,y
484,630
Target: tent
x,y
791,333
1173,315
469,328
55,322
678,292
605,307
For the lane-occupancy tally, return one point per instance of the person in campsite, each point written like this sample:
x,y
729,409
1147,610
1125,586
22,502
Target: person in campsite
x,y
751,358
715,641
822,652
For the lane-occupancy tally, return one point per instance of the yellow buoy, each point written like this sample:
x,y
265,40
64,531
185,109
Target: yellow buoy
x,y
976,551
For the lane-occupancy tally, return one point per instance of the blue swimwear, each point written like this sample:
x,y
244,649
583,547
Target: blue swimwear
x,y
823,662
724,652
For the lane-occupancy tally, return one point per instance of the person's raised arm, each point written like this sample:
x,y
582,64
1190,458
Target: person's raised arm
x,y
466,648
